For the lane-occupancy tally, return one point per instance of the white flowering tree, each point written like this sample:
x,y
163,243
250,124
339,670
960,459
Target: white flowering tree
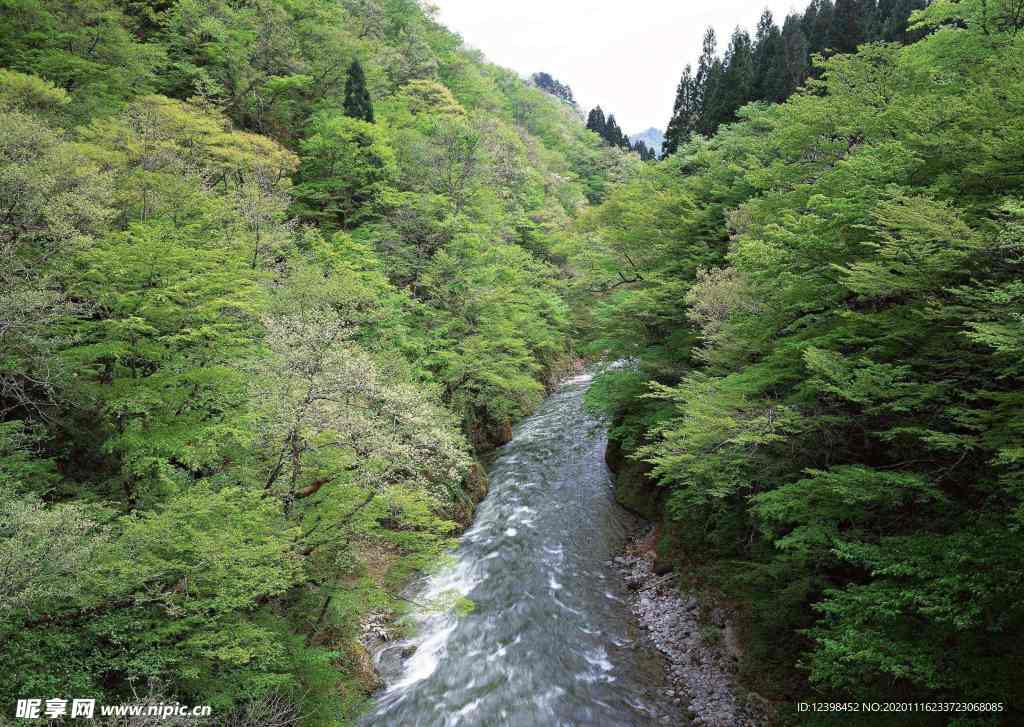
x,y
341,428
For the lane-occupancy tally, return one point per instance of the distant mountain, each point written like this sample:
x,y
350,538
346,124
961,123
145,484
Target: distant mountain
x,y
652,137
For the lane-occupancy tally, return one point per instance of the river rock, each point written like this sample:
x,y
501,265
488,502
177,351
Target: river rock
x,y
702,672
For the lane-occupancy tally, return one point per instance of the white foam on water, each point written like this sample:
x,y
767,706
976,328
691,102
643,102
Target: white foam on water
x,y
432,645
557,555
469,708
566,607
523,515
425,659
502,651
599,658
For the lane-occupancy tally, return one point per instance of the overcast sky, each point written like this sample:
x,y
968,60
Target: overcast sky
x,y
625,55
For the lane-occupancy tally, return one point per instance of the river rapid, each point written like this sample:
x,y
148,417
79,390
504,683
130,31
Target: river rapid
x,y
550,639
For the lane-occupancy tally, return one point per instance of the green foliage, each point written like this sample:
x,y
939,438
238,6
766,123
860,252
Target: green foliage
x,y
21,92
346,166
497,328
821,351
776,63
248,338
90,49
357,103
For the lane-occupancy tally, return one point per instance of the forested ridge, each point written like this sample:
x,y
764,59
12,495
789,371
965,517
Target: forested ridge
x,y
821,315
773,63
273,273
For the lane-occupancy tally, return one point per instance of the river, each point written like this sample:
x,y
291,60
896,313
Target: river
x,y
550,639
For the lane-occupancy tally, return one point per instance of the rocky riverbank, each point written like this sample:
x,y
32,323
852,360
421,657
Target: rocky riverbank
x,y
699,643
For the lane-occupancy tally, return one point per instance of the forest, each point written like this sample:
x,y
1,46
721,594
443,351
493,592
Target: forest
x,y
774,63
276,277
273,275
823,311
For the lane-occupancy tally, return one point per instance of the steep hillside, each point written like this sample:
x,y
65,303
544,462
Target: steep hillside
x,y
820,312
271,273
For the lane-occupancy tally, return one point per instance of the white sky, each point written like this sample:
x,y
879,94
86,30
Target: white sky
x,y
626,55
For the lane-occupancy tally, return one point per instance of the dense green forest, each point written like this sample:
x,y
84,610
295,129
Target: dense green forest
x,y
273,273
775,62
821,311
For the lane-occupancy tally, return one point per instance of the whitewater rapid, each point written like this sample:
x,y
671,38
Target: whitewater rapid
x,y
550,639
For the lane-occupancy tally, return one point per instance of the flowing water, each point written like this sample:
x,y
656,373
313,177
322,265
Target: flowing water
x,y
551,640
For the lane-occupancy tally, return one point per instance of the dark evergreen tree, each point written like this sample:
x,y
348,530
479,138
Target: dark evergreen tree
x,y
738,77
645,152
870,21
613,134
769,61
712,99
893,17
708,57
848,24
820,35
777,62
685,113
709,71
547,83
795,54
357,99
809,21
596,122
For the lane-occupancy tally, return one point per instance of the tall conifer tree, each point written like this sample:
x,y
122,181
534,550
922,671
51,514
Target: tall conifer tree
x,y
848,25
820,35
685,113
613,134
596,122
706,81
795,54
357,98
738,76
769,61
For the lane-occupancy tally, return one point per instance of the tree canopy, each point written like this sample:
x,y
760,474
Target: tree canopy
x,y
261,307
776,62
819,312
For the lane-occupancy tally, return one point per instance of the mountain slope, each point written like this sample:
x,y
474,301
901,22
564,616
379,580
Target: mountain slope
x,y
820,308
252,343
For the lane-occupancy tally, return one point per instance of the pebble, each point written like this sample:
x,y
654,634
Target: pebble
x,y
700,671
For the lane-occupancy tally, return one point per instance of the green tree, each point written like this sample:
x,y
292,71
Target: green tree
x,y
357,98
612,133
737,84
236,381
769,62
795,55
596,122
684,113
346,166
831,414
849,24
